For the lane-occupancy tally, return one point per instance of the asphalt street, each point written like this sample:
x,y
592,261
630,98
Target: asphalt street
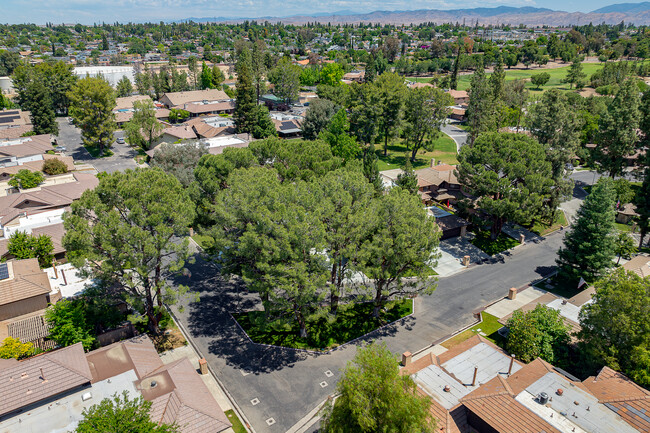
x,y
70,137
457,134
276,387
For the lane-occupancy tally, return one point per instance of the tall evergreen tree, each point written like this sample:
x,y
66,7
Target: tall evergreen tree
x,y
618,137
92,103
553,122
498,81
453,83
408,180
575,75
371,168
40,107
589,247
391,93
245,106
481,109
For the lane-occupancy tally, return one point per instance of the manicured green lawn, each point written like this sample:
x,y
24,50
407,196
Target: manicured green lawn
x,y
352,321
444,150
237,425
489,326
202,240
492,247
623,227
542,228
557,75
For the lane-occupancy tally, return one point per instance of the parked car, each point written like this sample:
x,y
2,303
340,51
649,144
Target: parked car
x,y
60,148
70,121
568,166
120,140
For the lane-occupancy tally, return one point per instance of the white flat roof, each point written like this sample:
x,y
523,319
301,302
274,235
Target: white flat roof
x,y
567,310
433,380
63,415
223,141
574,408
72,285
490,362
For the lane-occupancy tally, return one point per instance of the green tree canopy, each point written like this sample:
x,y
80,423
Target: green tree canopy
x,y
374,397
391,93
13,348
318,117
92,101
426,113
336,135
539,80
509,174
618,137
124,87
121,414
285,78
143,128
589,247
68,324
331,74
615,328
26,179
539,333
26,246
126,232
179,160
401,241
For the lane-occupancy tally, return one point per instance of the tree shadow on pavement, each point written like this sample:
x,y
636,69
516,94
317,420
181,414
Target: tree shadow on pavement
x,y
210,317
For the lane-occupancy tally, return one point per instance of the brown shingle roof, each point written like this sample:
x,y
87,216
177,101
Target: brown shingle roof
x,y
28,281
21,384
640,265
505,414
138,354
34,145
188,402
173,99
127,101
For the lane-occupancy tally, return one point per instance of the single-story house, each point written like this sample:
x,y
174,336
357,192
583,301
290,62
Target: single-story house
x,y
460,96
176,99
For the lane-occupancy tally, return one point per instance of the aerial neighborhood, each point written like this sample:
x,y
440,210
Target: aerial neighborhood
x,y
408,221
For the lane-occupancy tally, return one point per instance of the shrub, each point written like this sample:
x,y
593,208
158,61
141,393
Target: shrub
x,y
54,166
13,348
26,179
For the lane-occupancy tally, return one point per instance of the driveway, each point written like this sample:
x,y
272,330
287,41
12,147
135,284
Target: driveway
x,y
277,387
457,134
70,137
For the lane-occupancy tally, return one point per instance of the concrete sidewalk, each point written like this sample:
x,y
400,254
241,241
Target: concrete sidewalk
x,y
507,306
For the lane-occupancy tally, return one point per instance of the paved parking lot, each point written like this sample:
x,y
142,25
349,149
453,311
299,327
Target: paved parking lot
x,y
70,137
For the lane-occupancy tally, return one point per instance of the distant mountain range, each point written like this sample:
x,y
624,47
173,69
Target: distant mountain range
x,y
638,13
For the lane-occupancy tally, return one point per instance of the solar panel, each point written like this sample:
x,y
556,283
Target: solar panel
x,y
9,112
4,272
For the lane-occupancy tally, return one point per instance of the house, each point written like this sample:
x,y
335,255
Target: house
x,y
460,96
180,99
450,225
476,387
40,210
27,153
54,388
458,113
24,288
640,265
177,133
287,128
124,108
625,213
14,123
354,76
438,183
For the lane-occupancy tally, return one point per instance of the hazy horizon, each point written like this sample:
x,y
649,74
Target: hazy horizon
x,y
98,11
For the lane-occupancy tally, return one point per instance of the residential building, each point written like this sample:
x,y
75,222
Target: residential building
x,y
124,108
54,388
24,288
476,387
184,99
461,97
14,123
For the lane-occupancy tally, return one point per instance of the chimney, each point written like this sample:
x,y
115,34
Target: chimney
x,y
512,361
433,162
65,280
56,272
406,359
475,372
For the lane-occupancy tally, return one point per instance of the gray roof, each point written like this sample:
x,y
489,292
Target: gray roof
x,y
490,363
433,380
588,414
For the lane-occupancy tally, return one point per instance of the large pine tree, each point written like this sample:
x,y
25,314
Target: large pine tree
x,y
589,248
245,108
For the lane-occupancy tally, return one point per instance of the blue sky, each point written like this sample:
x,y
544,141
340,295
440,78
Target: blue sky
x,y
91,11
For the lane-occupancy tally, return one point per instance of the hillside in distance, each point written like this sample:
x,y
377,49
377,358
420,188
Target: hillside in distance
x,y
637,13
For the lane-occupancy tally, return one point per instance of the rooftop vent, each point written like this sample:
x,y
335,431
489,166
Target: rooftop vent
x,y
153,384
86,396
542,398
